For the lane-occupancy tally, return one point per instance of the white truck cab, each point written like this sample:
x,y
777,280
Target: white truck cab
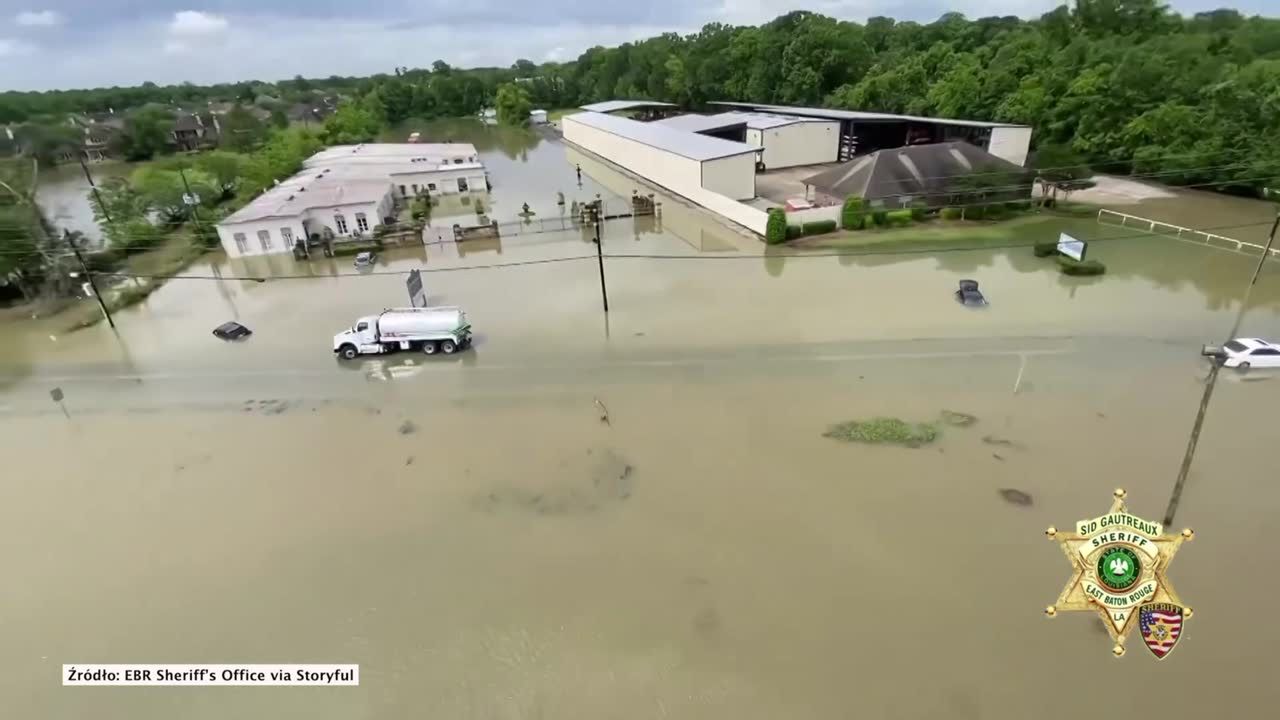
x,y
430,330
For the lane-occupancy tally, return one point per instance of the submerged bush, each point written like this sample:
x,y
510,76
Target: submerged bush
x,y
884,431
898,218
950,213
879,217
1045,248
818,227
794,231
851,215
775,230
1071,266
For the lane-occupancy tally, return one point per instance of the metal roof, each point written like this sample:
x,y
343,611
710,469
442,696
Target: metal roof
x,y
679,142
609,106
860,115
703,123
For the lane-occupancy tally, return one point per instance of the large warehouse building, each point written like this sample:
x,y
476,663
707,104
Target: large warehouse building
x,y
681,161
865,132
785,141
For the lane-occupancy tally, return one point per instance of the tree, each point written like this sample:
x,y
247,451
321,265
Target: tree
x,y
241,131
775,230
164,191
352,123
1060,169
513,105
146,133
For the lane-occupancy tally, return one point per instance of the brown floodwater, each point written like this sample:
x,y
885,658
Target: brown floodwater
x,y
472,533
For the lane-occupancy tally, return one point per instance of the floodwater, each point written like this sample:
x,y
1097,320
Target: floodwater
x,y
64,195
700,552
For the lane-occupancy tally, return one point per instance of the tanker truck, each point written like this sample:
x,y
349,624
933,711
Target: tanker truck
x,y
429,330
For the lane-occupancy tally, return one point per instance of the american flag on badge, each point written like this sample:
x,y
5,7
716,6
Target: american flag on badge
x,y
1161,626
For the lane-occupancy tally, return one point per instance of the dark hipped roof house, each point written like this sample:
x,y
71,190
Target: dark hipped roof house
x,y
935,174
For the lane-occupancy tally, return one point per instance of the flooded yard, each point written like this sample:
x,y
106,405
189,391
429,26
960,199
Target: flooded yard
x,y
636,517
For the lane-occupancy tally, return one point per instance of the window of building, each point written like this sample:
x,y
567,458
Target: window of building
x,y
264,239
286,234
431,187
340,223
415,189
362,222
242,245
402,192
457,161
462,185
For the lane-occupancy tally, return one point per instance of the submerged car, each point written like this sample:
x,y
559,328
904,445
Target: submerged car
x,y
969,294
231,331
365,259
1245,353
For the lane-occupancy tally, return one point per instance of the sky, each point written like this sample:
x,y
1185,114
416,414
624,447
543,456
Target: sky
x,y
100,43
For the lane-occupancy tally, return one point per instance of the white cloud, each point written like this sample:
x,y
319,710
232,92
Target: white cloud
x,y
11,48
556,54
193,23
43,18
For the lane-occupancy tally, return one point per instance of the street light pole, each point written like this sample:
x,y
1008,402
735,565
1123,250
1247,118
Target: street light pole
x,y
599,241
96,195
1175,498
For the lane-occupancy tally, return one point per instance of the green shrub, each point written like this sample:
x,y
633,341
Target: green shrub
x,y
879,217
898,218
1045,248
974,213
950,213
884,430
1019,205
852,216
794,231
1071,266
918,211
818,227
775,230
995,212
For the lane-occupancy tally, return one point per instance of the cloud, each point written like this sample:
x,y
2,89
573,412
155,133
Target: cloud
x,y
10,48
556,54
193,23
43,18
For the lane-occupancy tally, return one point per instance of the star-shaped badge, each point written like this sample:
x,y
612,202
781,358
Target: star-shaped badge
x,y
1119,563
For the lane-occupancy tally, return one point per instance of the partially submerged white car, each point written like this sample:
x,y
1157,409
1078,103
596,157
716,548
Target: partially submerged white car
x,y
1245,353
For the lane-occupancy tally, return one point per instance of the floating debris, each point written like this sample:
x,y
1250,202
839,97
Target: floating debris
x,y
884,431
407,428
1015,497
607,480
1003,442
408,461
998,456
958,419
604,411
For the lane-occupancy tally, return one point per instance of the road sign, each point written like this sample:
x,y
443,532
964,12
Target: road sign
x,y
1071,247
417,294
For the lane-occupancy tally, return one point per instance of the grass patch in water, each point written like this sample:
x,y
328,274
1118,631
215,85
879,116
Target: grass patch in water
x,y
884,431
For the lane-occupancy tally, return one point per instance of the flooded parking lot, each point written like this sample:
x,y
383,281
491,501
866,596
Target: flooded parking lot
x,y
637,518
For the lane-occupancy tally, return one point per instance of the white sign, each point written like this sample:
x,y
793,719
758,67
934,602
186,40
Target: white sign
x,y
1072,247
191,198
210,675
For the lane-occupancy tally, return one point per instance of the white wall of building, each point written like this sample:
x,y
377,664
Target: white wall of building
x,y
280,234
734,177
445,182
1010,143
803,143
674,172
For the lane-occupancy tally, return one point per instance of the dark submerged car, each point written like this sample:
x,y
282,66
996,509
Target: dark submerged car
x,y
968,294
231,331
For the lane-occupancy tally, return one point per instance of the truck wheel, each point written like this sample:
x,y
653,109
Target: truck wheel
x,y
448,346
348,352
429,347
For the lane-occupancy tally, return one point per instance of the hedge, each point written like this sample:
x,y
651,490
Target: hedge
x,y
1071,266
918,211
818,227
1045,248
775,231
852,216
879,217
794,231
950,213
345,249
898,217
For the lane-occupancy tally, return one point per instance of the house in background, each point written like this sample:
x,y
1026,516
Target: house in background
x,y
936,175
194,131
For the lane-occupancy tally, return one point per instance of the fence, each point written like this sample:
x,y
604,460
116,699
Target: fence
x,y
1182,233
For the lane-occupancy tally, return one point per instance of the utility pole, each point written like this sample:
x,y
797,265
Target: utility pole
x,y
192,200
92,285
599,241
96,195
1175,498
